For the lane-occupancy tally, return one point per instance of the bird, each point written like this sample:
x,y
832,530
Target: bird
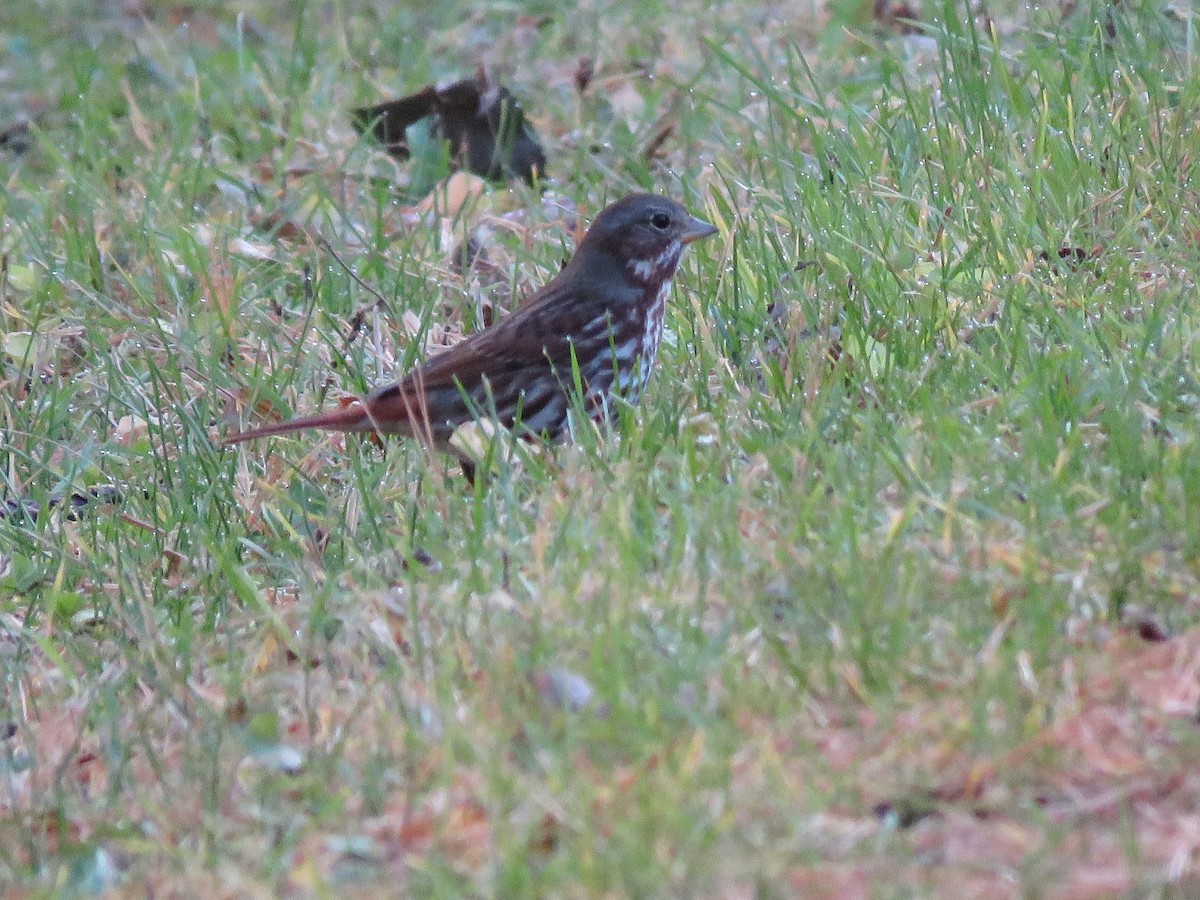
x,y
589,336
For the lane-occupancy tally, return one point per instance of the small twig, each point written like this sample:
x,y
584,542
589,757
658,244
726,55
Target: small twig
x,y
657,139
75,503
356,323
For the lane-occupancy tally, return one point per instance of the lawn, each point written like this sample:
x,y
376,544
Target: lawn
x,y
888,588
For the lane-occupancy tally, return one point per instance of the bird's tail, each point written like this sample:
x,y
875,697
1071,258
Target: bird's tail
x,y
351,417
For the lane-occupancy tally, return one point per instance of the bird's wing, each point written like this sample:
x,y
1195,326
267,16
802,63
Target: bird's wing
x,y
536,336
450,388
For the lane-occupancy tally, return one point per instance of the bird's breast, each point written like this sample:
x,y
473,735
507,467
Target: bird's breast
x,y
647,270
651,337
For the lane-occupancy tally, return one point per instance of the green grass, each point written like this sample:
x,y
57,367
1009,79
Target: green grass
x,y
847,607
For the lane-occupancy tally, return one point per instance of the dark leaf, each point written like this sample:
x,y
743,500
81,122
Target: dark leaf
x,y
1072,257
897,15
584,73
75,503
483,122
15,137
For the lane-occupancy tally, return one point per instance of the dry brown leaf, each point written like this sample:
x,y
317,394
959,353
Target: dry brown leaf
x,y
450,196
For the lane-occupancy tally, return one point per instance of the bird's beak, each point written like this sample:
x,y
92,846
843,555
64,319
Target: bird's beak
x,y
696,229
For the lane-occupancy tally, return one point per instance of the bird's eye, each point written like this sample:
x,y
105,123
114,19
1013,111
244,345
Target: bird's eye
x,y
661,221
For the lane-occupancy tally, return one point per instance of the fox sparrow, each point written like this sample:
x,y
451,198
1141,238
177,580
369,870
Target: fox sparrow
x,y
590,335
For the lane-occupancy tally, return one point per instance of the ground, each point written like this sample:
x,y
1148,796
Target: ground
x,y
887,588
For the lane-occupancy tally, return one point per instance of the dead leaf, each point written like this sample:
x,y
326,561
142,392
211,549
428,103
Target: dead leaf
x,y
449,198
627,102
563,688
484,123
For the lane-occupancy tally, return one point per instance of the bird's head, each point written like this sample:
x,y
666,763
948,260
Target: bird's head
x,y
645,234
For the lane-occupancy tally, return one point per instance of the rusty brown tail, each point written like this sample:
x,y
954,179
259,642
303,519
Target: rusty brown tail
x,y
352,417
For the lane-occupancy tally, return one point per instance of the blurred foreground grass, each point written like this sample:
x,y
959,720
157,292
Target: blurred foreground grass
x,y
886,590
